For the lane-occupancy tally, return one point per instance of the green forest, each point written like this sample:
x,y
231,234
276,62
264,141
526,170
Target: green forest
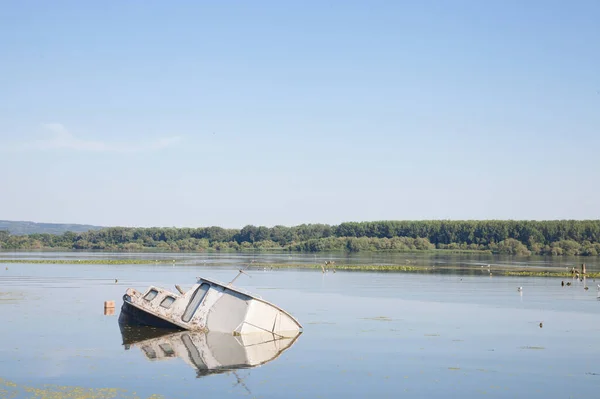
x,y
555,238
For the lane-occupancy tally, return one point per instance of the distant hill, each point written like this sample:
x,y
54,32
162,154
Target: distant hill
x,y
24,228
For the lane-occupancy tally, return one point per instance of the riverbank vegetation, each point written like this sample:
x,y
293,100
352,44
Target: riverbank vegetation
x,y
495,270
563,237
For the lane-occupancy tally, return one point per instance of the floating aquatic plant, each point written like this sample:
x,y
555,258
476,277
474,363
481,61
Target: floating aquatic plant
x,y
87,261
378,318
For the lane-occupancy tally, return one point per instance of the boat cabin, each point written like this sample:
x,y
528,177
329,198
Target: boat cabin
x,y
208,306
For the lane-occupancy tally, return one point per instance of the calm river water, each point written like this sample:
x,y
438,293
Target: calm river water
x,y
366,334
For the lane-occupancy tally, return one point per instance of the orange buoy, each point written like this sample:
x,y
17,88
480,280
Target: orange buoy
x,y
109,308
109,304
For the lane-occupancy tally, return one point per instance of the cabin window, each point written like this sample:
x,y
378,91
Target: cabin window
x,y
195,302
151,295
150,353
167,350
167,302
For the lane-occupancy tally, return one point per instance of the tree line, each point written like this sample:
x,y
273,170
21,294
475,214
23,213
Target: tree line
x,y
560,237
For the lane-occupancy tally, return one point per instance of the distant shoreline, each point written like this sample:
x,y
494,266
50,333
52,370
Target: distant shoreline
x,y
509,237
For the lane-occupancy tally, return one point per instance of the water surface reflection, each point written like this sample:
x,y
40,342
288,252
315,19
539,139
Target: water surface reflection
x,y
208,353
368,334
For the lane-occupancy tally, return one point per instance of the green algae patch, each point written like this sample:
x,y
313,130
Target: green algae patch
x,y
333,268
406,268
11,297
336,267
378,318
87,261
547,273
391,268
9,389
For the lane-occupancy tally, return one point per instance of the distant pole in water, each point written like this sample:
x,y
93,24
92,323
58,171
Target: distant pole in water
x,y
330,263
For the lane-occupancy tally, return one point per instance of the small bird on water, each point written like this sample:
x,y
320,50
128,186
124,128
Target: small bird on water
x,y
116,281
541,325
562,283
519,288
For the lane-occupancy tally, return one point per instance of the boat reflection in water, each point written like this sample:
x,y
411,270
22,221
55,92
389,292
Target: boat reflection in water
x,y
207,352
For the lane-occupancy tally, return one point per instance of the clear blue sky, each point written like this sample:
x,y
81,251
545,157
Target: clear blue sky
x,y
192,113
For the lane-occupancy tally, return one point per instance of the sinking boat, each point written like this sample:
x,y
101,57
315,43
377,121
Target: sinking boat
x,y
207,352
208,306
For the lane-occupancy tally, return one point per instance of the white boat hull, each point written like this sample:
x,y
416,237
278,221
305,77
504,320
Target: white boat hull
x,y
210,306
